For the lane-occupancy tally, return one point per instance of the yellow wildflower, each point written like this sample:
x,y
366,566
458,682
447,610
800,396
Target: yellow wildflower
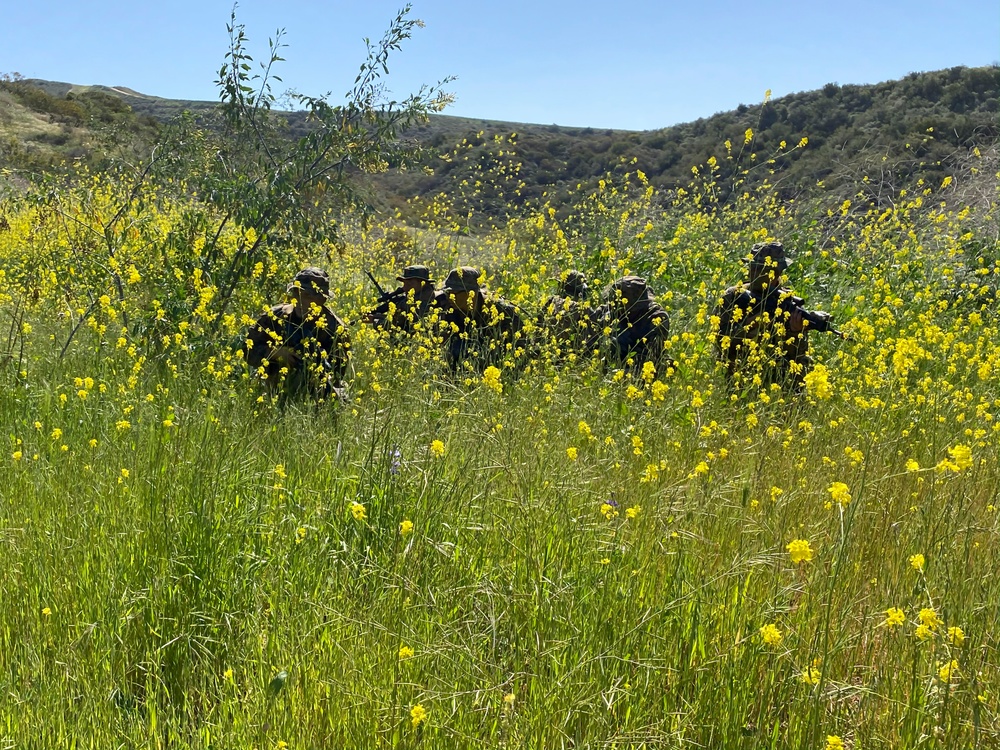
x,y
894,617
961,455
491,378
818,383
840,493
418,715
811,676
948,671
770,634
800,551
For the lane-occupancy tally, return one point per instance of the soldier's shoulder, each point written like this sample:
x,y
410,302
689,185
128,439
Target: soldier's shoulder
x,y
276,312
556,303
499,302
507,309
333,320
736,295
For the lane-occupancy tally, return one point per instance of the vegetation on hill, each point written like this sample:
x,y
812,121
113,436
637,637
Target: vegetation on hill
x,y
43,132
894,132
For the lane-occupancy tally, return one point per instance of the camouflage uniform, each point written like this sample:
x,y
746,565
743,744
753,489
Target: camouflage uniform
x,y
756,321
567,318
400,310
640,327
488,334
297,353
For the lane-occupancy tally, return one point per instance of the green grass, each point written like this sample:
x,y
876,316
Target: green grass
x,y
196,577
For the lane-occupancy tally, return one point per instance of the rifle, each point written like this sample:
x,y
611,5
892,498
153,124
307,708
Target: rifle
x,y
384,297
818,320
381,291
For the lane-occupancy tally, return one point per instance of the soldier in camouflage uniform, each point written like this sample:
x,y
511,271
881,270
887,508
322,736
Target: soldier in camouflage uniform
x,y
479,329
638,326
401,309
567,318
762,327
301,347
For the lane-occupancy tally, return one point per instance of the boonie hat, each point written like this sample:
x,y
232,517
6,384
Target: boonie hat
x,y
311,279
630,287
464,279
773,251
415,272
575,284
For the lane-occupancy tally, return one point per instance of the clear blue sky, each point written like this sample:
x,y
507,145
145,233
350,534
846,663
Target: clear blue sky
x,y
631,64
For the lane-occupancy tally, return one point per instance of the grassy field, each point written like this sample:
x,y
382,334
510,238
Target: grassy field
x,y
567,556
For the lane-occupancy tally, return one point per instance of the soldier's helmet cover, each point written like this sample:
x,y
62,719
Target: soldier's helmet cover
x,y
311,279
423,273
768,255
574,284
631,288
464,279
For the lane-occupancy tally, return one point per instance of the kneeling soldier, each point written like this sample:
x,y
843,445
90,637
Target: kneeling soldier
x,y
406,305
301,347
762,327
639,327
479,328
567,318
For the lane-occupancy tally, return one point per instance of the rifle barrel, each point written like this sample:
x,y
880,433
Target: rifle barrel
x,y
378,286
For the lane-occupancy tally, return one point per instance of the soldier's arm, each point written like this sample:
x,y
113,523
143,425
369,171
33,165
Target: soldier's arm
x,y
262,338
800,318
335,342
381,310
661,325
725,342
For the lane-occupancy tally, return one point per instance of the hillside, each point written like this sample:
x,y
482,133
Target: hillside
x,y
916,126
903,129
44,126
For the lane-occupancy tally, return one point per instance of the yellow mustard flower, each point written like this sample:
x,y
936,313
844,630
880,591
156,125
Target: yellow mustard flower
x,y
418,715
840,493
800,551
894,617
770,634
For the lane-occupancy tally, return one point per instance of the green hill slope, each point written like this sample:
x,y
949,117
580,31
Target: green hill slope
x,y
903,129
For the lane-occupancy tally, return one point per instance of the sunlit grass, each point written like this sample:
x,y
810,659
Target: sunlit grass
x,y
577,557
